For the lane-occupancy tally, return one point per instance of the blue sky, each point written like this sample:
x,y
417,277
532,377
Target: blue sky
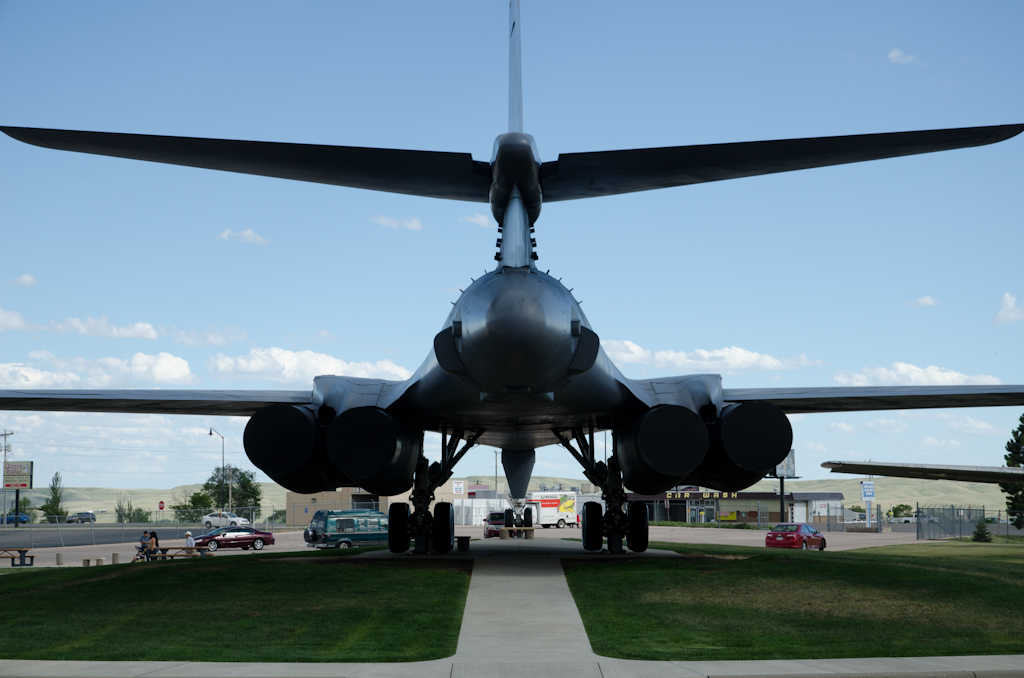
x,y
122,274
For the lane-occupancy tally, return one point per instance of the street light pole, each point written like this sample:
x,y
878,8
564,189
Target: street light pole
x,y
222,471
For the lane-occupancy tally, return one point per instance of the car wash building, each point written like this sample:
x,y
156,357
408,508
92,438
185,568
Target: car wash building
x,y
699,505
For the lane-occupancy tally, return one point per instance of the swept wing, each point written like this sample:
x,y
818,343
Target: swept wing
x,y
860,398
974,474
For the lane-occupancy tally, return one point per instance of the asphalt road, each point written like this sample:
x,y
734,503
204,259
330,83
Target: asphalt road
x,y
47,535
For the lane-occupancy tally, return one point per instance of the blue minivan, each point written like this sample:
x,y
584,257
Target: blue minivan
x,y
345,529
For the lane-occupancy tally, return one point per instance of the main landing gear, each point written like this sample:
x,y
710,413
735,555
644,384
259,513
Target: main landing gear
x,y
429,533
620,520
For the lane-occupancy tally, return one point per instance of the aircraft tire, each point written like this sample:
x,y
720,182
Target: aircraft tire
x,y
593,527
443,534
528,517
510,520
637,527
398,528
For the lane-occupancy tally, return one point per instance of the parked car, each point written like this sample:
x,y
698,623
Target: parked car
x,y
12,518
795,536
492,526
223,519
81,517
236,537
345,529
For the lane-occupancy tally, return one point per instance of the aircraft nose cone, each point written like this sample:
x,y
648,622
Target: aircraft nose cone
x,y
516,334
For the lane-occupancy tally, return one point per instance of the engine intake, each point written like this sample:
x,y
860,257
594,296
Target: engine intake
x,y
664,445
284,442
748,440
370,446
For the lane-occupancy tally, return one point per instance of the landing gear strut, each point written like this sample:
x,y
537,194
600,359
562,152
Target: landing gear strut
x,y
429,532
618,521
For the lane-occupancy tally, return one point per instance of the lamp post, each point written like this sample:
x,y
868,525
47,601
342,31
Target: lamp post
x,y
222,470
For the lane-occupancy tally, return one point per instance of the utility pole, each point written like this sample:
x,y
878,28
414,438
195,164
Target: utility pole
x,y
5,434
495,472
222,471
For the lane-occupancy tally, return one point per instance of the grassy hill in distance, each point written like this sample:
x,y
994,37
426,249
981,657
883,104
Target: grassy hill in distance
x,y
102,500
891,491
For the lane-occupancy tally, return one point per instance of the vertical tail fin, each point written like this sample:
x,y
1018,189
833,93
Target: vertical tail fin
x,y
515,70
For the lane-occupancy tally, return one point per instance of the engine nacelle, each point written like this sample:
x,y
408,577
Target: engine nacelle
x,y
374,449
748,440
284,442
664,445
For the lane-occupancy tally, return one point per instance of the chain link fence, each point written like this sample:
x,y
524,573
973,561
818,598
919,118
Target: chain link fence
x,y
948,522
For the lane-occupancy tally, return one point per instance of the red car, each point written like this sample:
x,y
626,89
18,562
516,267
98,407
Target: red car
x,y
235,537
795,536
493,523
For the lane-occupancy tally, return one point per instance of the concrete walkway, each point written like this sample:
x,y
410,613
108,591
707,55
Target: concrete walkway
x,y
521,621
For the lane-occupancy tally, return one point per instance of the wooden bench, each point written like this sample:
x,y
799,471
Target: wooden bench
x,y
18,555
505,532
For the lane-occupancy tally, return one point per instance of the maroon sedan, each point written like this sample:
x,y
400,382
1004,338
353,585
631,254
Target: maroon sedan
x,y
795,536
235,537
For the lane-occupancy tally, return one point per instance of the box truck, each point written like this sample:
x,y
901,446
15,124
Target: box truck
x,y
556,509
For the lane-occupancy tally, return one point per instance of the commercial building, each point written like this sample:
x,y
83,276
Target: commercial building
x,y
696,505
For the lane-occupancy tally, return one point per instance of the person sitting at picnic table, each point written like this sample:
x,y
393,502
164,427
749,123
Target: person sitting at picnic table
x,y
153,547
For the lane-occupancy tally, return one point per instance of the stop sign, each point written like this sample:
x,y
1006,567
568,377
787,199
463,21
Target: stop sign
x,y
161,506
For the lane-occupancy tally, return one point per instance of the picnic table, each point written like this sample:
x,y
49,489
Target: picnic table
x,y
172,552
18,555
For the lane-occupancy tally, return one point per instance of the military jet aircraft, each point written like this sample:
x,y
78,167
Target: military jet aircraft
x,y
517,364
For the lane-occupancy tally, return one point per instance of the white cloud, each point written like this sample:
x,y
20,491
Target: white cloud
x,y
281,366
815,447
888,425
12,320
101,327
730,359
926,300
898,56
795,417
24,280
842,427
969,425
481,220
412,224
246,236
1009,311
90,327
905,374
931,441
214,337
46,370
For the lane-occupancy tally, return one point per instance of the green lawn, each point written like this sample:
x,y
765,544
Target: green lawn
x,y
308,607
722,602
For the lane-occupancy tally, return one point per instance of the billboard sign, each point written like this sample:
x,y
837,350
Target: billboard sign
x,y
867,490
787,469
458,487
18,475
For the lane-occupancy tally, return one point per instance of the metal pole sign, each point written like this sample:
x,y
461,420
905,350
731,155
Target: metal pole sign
x,y
18,475
867,495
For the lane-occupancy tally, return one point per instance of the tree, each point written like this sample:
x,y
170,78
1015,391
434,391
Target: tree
x,y
1015,491
981,532
902,511
26,507
856,509
244,490
52,508
193,508
123,509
